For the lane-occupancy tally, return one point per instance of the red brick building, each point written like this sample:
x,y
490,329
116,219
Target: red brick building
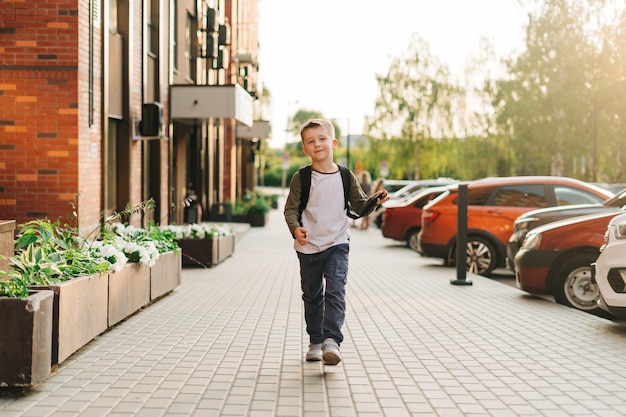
x,y
86,108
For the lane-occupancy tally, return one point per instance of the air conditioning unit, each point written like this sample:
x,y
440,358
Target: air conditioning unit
x,y
247,59
151,123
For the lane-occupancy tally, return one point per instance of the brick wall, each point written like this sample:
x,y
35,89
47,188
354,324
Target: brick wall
x,y
49,151
39,109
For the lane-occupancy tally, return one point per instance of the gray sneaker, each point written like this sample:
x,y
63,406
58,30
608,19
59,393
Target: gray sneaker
x,y
331,353
315,352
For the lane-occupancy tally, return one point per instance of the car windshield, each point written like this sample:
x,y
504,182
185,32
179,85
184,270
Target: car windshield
x,y
517,195
520,195
439,197
406,191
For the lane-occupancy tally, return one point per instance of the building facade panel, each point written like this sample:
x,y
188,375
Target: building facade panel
x,y
74,78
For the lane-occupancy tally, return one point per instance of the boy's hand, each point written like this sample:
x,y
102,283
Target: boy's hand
x,y
302,235
382,196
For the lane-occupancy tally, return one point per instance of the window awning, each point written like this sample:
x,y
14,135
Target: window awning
x,y
260,129
200,102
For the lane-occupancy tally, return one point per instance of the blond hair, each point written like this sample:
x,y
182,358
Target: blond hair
x,y
323,123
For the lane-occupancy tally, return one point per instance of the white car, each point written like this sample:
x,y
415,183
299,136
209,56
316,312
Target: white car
x,y
609,270
411,189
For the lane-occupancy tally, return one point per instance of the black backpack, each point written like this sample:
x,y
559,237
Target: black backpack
x,y
305,178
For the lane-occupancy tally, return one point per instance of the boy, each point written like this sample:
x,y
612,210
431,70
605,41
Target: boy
x,y
322,237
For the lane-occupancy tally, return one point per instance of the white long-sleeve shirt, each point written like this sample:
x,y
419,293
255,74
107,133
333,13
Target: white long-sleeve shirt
x,y
326,211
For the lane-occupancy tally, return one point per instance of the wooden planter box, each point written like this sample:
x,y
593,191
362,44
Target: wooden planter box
x,y
206,252
26,339
7,246
255,220
129,290
165,274
80,313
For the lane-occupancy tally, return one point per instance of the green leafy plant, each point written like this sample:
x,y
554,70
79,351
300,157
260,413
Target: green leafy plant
x,y
163,238
47,252
13,285
273,199
252,203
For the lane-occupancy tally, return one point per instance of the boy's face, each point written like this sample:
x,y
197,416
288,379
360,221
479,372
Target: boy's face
x,y
317,144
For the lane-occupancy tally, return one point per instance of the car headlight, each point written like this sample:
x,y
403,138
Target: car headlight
x,y
606,239
520,226
620,231
531,241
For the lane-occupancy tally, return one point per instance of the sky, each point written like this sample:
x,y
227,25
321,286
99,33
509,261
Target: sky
x,y
324,55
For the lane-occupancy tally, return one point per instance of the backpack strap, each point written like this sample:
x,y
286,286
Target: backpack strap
x,y
346,177
305,180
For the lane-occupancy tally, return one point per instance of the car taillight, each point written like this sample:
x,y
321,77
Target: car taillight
x,y
429,216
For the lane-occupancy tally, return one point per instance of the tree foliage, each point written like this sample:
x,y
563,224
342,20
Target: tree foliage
x,y
557,109
417,100
545,102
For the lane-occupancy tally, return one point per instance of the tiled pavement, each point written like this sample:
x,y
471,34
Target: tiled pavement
x,y
230,341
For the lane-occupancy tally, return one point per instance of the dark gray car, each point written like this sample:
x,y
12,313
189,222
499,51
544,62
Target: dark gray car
x,y
534,218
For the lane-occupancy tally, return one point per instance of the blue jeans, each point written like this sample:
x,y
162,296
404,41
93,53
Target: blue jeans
x,y
324,305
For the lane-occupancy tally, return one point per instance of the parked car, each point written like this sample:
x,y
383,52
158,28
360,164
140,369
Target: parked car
x,y
556,259
614,187
402,218
609,270
394,185
409,190
493,206
535,218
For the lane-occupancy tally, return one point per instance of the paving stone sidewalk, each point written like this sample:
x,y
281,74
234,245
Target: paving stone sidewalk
x,y
230,341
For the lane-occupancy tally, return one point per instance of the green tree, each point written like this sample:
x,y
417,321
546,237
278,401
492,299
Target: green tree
x,y
607,119
417,100
299,118
554,103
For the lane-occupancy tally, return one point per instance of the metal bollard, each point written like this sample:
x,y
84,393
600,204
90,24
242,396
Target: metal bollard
x,y
461,239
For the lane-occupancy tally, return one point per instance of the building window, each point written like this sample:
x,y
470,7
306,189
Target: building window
x,y
191,29
153,27
152,92
113,28
175,34
110,172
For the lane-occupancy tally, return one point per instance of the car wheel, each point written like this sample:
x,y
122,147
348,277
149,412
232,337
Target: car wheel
x,y
481,256
573,286
378,221
411,239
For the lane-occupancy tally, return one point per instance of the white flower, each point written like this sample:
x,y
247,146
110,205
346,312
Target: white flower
x,y
199,230
111,253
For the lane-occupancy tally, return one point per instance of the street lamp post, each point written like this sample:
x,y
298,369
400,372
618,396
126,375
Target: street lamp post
x,y
348,144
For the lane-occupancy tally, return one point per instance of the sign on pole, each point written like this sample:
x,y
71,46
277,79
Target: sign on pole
x,y
384,169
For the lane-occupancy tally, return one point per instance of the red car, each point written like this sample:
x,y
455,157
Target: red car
x,y
493,205
402,219
555,259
